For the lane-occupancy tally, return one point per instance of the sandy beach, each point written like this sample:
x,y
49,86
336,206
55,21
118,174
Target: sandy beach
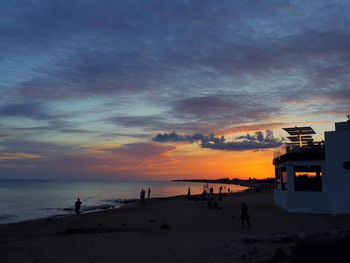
x,y
167,230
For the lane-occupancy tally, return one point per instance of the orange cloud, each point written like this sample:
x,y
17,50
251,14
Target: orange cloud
x,y
17,156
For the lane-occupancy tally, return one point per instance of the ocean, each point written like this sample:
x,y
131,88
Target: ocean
x,y
22,200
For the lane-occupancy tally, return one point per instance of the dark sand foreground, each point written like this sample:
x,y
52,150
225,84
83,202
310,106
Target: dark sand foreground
x,y
195,233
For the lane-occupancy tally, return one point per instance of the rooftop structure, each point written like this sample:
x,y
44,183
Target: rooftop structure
x,y
299,135
301,146
314,176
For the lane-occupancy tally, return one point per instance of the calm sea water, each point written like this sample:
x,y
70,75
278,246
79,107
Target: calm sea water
x,y
22,200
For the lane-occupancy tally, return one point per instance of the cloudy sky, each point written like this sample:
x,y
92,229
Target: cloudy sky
x,y
143,90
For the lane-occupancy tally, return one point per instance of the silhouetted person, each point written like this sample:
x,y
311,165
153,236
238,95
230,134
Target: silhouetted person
x,y
189,193
244,215
204,195
77,206
220,194
142,195
211,190
149,193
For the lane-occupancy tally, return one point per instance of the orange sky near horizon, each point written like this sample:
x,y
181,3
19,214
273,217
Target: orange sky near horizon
x,y
183,160
152,160
213,164
189,161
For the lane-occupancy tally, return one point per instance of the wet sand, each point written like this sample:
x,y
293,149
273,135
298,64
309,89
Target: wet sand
x,y
167,230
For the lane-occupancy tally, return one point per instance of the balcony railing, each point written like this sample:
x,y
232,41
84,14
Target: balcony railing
x,y
307,152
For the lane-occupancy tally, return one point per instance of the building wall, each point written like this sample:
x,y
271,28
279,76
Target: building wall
x,y
312,202
280,198
337,146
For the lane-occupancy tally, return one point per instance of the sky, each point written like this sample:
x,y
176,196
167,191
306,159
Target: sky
x,y
164,89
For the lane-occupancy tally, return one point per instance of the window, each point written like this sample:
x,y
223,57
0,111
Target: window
x,y
278,178
281,178
308,178
284,178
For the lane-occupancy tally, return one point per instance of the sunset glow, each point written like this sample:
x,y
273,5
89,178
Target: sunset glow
x,y
144,90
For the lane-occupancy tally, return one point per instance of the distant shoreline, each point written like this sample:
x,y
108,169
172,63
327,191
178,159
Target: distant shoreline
x,y
267,183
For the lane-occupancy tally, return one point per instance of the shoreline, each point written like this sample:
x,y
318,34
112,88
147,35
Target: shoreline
x,y
171,229
125,203
59,201
88,210
111,204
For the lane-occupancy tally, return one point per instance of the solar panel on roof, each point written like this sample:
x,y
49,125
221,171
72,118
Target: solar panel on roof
x,y
299,130
300,136
296,128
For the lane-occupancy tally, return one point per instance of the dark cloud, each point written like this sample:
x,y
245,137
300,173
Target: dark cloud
x,y
26,110
206,106
339,96
53,127
224,109
128,49
257,141
139,150
174,137
33,129
169,122
15,145
117,134
138,121
202,114
76,131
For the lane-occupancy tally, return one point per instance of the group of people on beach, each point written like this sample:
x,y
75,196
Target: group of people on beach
x,y
211,203
143,193
207,197
244,217
78,203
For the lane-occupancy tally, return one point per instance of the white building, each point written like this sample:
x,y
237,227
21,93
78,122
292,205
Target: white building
x,y
314,177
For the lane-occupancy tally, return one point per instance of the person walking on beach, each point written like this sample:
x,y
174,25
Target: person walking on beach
x,y
77,206
189,193
142,195
204,195
244,215
149,193
220,194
